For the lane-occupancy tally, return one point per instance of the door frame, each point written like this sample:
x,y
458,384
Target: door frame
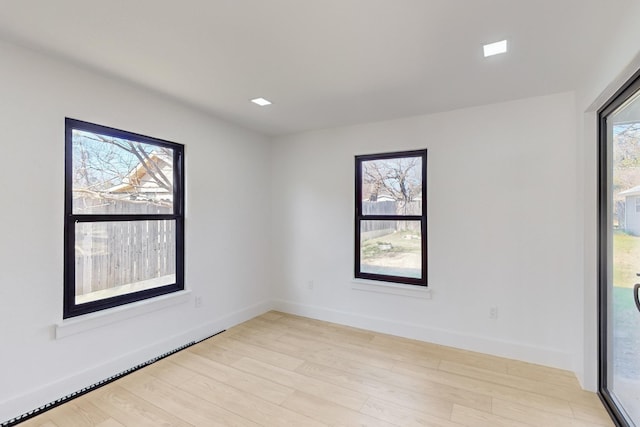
x,y
625,92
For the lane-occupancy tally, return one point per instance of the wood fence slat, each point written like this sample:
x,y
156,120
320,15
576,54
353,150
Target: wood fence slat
x,y
119,253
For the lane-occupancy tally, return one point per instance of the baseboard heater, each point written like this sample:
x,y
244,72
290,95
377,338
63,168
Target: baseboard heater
x,y
44,408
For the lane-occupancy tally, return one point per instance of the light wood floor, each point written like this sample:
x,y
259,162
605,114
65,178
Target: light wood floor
x,y
283,370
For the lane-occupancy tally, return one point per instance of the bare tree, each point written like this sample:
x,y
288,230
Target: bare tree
x,y
399,179
626,175
102,162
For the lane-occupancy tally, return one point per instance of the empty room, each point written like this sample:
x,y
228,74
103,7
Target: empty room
x,y
320,213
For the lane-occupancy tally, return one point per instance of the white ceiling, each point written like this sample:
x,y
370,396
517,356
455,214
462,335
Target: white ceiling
x,y
323,63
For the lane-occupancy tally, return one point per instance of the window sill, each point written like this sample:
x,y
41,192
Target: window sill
x,y
87,322
391,288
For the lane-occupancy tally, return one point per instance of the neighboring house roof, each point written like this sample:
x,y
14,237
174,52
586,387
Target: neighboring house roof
x,y
635,191
139,180
383,198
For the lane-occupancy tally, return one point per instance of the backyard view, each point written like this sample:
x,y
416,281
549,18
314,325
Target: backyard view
x,y
397,253
391,187
626,248
113,176
624,319
625,204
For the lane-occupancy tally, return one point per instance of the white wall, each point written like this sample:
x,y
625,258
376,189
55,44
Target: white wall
x,y
501,232
225,178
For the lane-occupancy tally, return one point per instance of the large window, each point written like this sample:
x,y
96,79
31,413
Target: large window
x,y
391,217
124,224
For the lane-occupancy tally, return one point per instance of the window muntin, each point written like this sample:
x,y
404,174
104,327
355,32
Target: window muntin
x,y
390,240
124,225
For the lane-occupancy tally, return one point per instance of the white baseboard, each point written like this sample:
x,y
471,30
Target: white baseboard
x,y
512,350
47,393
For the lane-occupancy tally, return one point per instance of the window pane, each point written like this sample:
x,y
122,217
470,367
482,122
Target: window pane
x,y
391,248
117,258
117,176
392,186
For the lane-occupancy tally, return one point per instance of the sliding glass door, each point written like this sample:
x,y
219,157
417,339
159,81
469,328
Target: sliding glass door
x,y
619,228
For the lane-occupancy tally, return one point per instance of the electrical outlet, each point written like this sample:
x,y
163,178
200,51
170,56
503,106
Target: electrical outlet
x,y
493,313
310,285
198,302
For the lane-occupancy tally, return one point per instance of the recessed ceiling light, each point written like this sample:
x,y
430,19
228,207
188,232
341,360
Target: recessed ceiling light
x,y
261,102
495,48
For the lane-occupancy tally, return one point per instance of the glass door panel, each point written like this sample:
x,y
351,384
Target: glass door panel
x,y
620,257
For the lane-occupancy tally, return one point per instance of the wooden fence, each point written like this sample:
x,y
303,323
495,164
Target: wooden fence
x,y
378,228
118,253
95,205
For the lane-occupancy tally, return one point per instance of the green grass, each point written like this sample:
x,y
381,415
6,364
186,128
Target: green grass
x,y
626,259
400,242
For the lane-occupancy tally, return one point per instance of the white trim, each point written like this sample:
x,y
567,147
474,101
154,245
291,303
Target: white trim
x,y
391,288
101,318
497,347
615,84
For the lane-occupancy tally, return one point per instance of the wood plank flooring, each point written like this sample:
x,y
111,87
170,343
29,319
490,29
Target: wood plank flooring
x,y
284,370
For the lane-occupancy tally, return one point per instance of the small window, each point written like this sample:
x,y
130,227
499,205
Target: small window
x,y
391,217
637,204
124,224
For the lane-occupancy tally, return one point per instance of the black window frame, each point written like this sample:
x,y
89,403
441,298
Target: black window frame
x,y
70,308
359,217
